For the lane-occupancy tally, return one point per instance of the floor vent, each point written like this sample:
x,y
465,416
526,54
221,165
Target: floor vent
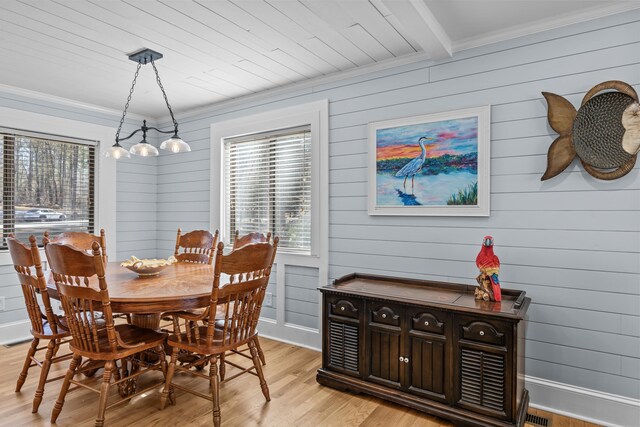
x,y
537,420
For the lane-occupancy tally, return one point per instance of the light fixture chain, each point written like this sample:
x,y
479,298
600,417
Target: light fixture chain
x,y
175,123
126,106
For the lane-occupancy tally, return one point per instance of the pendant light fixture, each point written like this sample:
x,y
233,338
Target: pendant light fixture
x,y
175,144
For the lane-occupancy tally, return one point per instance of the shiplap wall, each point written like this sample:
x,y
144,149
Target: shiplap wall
x,y
301,296
572,243
136,194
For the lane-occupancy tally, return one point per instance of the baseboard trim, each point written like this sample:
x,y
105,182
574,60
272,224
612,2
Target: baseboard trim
x,y
15,332
584,404
290,334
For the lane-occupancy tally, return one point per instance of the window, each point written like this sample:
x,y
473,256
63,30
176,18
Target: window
x,y
48,184
267,186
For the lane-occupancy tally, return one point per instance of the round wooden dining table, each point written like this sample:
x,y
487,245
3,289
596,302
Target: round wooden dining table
x,y
180,286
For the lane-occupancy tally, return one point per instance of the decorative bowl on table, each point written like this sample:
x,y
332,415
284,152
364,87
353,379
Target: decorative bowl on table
x,y
147,267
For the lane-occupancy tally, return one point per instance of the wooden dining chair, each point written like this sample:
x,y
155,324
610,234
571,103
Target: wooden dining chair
x,y
45,324
82,288
83,241
239,301
253,237
196,246
238,242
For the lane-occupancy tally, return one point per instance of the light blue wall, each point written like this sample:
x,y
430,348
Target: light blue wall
x,y
572,243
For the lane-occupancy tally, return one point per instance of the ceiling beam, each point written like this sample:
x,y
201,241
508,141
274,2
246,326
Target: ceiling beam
x,y
416,17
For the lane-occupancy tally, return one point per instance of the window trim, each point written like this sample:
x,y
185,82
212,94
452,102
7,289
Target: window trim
x,y
314,114
105,174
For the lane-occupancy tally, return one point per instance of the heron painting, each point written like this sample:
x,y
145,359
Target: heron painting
x,y
429,162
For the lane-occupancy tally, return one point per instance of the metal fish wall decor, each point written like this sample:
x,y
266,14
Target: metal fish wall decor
x,y
604,133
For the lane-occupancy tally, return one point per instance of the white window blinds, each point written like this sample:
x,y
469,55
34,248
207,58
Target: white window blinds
x,y
47,184
267,180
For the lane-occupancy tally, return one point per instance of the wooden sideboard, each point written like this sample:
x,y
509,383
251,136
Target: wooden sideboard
x,y
427,345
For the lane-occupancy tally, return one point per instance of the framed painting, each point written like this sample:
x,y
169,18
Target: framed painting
x,y
436,164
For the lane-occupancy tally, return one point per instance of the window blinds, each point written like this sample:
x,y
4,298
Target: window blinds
x,y
267,182
47,182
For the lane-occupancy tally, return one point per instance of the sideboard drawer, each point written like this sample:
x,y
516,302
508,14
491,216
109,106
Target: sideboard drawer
x,y
344,307
386,315
481,331
425,321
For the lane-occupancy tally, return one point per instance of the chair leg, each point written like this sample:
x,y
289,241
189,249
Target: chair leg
x,y
260,353
256,363
55,349
104,391
57,408
214,380
27,364
166,392
163,360
222,367
44,373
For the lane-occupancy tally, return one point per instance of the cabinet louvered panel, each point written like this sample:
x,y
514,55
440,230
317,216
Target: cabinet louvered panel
x,y
482,379
343,346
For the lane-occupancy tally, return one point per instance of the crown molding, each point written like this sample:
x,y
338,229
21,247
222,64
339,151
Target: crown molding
x,y
539,26
32,94
306,84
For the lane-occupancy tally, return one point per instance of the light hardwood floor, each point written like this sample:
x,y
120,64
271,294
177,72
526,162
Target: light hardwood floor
x,y
296,399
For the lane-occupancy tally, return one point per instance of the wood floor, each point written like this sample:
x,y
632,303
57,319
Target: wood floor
x,y
296,399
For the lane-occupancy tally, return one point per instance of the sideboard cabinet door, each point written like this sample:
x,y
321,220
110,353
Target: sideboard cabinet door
x,y
429,370
384,356
484,366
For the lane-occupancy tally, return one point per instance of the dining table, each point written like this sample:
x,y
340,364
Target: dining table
x,y
180,286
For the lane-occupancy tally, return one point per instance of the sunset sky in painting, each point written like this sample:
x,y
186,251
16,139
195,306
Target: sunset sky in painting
x,y
458,136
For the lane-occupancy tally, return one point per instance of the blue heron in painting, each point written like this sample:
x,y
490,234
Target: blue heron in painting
x,y
414,166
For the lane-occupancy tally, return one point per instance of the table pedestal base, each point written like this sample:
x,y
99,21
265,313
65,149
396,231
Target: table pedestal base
x,y
149,321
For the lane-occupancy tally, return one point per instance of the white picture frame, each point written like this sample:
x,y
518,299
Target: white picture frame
x,y
445,156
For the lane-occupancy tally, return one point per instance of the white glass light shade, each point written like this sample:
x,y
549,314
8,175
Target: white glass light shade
x,y
144,149
116,151
175,144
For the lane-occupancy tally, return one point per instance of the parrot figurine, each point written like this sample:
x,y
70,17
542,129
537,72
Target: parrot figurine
x,y
489,265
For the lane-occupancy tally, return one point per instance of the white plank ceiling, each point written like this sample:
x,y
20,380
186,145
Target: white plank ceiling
x,y
224,49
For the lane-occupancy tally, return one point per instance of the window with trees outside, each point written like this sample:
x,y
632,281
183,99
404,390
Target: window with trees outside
x,y
267,186
48,184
